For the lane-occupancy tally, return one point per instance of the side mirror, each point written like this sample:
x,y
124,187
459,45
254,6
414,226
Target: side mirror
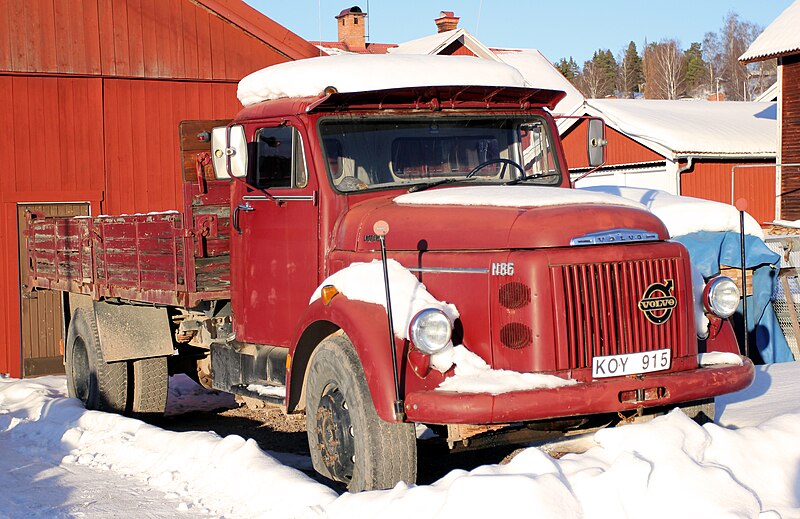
x,y
229,151
596,142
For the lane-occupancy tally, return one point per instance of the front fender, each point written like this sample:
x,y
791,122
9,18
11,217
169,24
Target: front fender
x,y
366,325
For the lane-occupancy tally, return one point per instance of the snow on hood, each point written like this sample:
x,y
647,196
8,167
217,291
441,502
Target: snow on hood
x,y
473,375
360,73
684,214
364,282
512,196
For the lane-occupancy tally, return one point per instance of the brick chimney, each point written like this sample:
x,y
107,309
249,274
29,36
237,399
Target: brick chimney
x,y
447,21
351,29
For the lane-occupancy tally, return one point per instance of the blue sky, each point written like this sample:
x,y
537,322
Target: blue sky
x,y
557,28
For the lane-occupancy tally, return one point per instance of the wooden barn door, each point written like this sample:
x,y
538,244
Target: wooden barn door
x,y
41,313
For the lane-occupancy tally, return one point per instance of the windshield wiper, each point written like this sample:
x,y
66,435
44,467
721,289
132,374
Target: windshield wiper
x,y
449,180
532,176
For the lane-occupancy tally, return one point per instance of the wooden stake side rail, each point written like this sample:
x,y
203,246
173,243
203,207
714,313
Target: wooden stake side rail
x,y
150,258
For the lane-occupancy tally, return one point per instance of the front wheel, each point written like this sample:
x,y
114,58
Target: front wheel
x,y
348,441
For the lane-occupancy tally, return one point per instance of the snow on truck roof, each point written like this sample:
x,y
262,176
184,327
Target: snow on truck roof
x,y
360,73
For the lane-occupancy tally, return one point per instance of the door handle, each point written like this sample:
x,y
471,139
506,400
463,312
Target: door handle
x,y
235,220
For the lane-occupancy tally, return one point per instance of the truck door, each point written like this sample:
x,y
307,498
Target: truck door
x,y
274,258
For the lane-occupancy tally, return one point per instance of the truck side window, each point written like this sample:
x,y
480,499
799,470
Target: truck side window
x,y
280,161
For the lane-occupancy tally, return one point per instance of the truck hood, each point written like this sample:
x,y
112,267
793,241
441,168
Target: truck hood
x,y
490,217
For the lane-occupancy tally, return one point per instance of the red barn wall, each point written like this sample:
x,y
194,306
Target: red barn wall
x,y
711,180
93,91
790,137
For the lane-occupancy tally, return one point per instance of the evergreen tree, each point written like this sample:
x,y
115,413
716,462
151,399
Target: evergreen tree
x,y
569,69
631,75
696,70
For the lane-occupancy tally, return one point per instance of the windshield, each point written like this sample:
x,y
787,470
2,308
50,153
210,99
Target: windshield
x,y
379,153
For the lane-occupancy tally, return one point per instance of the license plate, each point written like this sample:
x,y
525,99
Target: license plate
x,y
631,363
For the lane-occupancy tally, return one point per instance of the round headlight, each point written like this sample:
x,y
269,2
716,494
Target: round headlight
x,y
431,330
721,296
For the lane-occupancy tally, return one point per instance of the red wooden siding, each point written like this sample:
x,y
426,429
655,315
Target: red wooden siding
x,y
143,163
790,138
90,95
712,181
620,149
56,153
131,38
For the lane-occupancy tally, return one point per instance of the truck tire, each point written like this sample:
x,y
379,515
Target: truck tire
x,y
100,385
150,385
348,441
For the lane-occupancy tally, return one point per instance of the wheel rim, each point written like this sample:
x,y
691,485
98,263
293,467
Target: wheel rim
x,y
335,433
80,370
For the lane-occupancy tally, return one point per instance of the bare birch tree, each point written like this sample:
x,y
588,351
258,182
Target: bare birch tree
x,y
664,70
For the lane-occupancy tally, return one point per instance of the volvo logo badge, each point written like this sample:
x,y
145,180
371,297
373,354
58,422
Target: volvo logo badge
x,y
658,302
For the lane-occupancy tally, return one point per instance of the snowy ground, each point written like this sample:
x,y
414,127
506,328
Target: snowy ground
x,y
58,460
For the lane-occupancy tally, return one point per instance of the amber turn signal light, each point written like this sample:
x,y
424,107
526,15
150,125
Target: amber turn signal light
x,y
328,292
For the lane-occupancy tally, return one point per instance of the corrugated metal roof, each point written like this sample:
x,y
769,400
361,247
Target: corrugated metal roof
x,y
779,38
698,128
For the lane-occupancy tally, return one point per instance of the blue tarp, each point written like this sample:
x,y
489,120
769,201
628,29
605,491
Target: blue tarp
x,y
709,250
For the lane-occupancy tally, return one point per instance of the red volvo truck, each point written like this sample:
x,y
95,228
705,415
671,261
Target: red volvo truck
x,y
473,185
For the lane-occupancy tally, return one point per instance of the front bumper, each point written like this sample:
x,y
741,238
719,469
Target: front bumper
x,y
596,397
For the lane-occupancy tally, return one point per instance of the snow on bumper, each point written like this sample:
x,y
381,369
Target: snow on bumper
x,y
598,396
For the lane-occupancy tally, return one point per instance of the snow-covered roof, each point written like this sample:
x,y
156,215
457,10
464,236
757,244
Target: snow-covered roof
x,y
779,38
677,129
538,71
534,67
436,43
359,73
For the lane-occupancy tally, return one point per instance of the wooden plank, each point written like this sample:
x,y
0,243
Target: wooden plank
x,y
150,38
6,62
135,37
204,61
108,51
18,34
191,47
119,22
90,24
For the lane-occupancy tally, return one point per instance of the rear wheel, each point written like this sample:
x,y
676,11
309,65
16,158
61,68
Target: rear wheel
x,y
348,441
100,385
149,386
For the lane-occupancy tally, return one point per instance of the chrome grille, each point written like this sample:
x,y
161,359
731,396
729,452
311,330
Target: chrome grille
x,y
600,312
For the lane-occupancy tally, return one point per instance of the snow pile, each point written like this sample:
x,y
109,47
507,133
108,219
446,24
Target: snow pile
x,y
473,375
684,214
60,460
364,282
194,470
670,467
360,73
512,196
